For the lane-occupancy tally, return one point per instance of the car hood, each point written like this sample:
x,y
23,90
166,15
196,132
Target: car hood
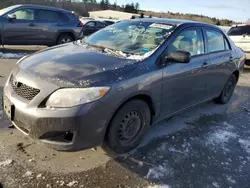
x,y
77,65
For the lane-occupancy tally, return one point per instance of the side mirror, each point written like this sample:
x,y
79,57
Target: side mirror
x,y
11,17
179,57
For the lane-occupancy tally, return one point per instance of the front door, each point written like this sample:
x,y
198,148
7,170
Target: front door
x,y
184,84
20,30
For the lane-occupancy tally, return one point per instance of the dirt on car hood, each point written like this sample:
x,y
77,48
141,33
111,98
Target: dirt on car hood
x,y
78,65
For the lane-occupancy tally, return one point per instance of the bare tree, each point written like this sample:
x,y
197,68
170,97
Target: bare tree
x,y
248,20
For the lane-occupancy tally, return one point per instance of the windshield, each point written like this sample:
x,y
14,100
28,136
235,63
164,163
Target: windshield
x,y
131,37
3,11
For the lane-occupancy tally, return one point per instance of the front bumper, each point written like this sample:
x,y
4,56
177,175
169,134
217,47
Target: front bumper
x,y
74,128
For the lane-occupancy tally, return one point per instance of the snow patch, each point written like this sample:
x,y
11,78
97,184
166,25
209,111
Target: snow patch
x,y
12,55
222,136
159,186
231,180
32,160
6,162
158,172
72,183
245,144
28,174
61,183
215,184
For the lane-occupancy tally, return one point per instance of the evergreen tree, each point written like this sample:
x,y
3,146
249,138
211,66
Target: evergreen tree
x,y
142,15
102,4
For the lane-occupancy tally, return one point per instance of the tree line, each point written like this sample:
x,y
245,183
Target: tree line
x,y
82,7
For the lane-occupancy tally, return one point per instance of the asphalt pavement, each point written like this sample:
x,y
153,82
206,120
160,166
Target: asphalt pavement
x,y
206,146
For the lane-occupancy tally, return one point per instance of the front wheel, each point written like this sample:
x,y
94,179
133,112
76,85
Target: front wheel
x,y
128,126
227,91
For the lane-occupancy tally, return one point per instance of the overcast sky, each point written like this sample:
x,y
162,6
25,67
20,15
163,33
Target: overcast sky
x,y
238,10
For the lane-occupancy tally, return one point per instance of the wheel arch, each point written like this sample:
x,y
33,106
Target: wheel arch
x,y
65,32
236,73
140,96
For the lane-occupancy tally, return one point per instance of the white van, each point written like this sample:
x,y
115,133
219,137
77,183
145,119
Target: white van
x,y
240,35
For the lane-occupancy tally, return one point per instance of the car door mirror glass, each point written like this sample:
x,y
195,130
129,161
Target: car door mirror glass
x,y
179,57
11,16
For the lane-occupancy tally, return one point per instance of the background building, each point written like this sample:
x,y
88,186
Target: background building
x,y
111,14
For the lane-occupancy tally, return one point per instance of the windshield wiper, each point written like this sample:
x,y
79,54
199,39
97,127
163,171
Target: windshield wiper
x,y
105,49
113,52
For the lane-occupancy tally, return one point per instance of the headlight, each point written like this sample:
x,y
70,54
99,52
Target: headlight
x,y
22,58
69,97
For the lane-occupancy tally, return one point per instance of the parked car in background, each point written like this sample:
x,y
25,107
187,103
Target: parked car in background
x,y
240,35
108,22
83,19
91,26
38,25
116,83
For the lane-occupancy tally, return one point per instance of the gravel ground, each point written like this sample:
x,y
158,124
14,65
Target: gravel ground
x,y
207,146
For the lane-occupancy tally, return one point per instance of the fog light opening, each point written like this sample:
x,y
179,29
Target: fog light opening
x,y
68,136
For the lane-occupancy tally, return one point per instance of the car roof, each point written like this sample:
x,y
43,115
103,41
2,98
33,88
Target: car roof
x,y
174,22
43,7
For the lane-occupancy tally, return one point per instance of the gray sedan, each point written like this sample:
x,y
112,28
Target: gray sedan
x,y
113,85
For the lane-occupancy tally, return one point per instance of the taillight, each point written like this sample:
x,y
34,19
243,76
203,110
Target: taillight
x,y
80,24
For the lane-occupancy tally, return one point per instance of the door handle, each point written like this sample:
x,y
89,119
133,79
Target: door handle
x,y
205,64
31,25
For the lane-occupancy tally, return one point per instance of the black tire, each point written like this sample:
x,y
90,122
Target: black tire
x,y
64,38
135,115
227,91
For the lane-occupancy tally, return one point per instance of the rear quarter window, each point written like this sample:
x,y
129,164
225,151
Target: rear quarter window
x,y
51,16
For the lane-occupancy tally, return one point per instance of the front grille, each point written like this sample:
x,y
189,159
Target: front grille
x,y
23,90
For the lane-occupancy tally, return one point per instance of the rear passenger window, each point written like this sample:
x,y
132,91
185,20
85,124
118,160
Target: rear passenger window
x,y
216,41
50,16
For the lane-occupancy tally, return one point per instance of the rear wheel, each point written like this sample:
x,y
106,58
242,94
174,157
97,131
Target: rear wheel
x,y
128,126
64,38
227,91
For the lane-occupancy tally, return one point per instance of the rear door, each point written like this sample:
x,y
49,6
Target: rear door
x,y
48,22
220,57
20,30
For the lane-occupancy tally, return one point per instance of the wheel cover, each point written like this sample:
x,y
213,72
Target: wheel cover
x,y
228,90
65,40
129,128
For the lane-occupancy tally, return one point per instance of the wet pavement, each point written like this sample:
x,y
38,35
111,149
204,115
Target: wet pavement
x,y
206,146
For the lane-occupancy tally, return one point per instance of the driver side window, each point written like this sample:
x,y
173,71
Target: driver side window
x,y
190,40
24,14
